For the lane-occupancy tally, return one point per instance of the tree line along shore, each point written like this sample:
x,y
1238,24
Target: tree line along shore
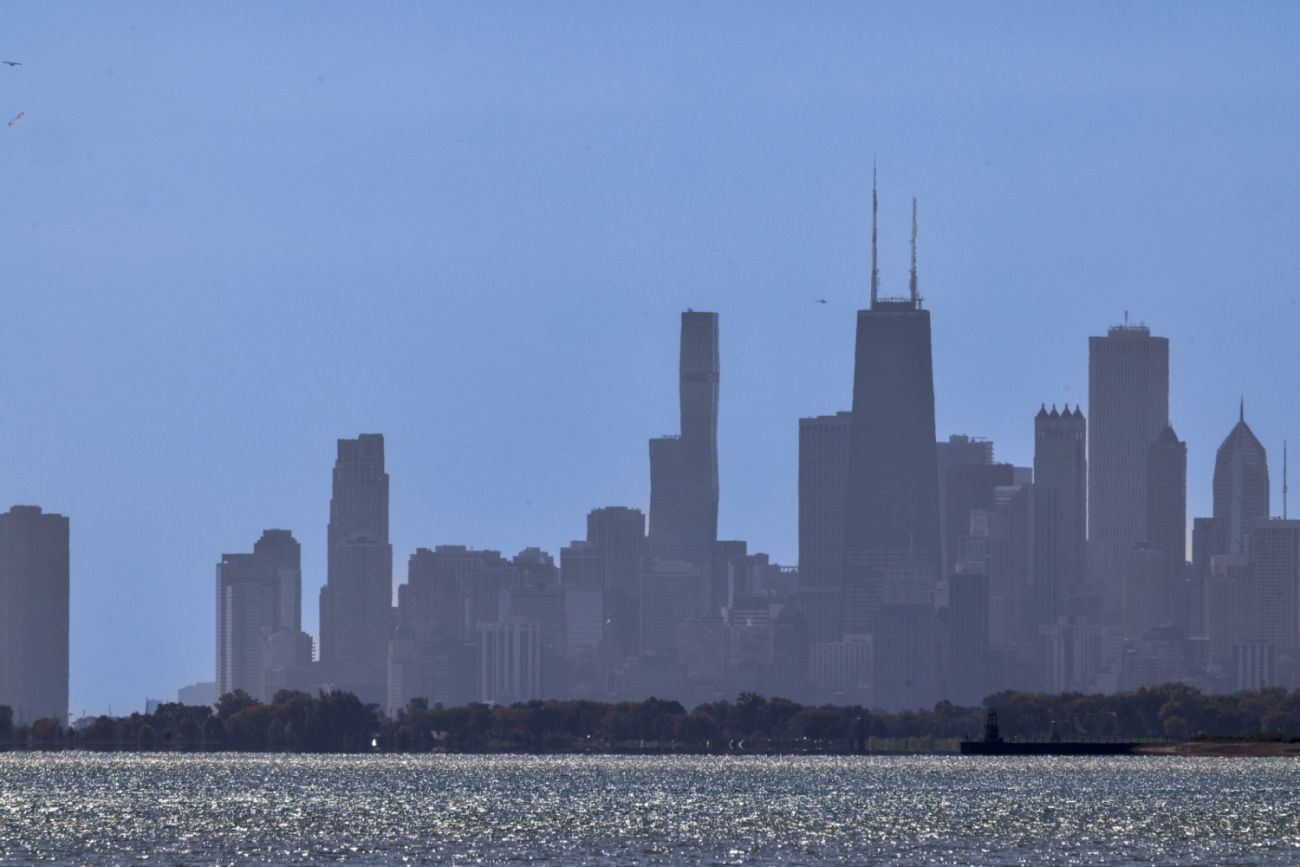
x,y
1265,721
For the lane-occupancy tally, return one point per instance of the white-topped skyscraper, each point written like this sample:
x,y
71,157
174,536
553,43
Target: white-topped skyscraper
x,y
891,538
356,603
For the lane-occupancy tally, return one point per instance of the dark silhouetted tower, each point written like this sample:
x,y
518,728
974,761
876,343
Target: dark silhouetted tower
x,y
356,608
1167,522
684,469
34,614
823,484
1240,486
891,538
616,536
1128,397
1060,511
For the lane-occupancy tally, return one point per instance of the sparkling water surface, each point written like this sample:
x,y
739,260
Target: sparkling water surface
x,y
235,809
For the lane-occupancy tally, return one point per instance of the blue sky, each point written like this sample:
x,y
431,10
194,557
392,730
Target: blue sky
x,y
233,233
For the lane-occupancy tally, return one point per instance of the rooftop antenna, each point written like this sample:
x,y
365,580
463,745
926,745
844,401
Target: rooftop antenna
x,y
875,272
912,277
1241,415
1283,480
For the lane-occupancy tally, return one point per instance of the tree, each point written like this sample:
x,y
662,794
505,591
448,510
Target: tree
x,y
233,702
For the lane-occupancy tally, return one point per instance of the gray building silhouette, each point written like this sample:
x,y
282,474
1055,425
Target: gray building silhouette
x,y
356,608
684,469
823,486
258,615
1128,399
891,538
1167,523
1060,513
34,589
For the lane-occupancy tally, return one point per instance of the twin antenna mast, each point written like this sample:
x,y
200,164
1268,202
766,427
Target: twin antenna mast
x,y
875,269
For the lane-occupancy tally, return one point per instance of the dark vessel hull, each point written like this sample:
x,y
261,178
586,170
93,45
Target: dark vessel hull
x,y
1046,748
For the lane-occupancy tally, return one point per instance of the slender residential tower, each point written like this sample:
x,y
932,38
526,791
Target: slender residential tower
x,y
891,538
684,469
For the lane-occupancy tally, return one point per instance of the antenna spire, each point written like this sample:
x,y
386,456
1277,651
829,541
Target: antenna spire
x,y
1242,412
1284,480
875,272
912,278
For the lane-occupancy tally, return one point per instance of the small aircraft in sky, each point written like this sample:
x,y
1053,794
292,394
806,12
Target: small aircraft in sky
x,y
13,120
12,62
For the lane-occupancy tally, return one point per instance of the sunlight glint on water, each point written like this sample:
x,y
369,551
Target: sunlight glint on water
x,y
79,808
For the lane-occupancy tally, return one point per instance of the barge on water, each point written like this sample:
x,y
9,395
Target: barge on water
x,y
992,744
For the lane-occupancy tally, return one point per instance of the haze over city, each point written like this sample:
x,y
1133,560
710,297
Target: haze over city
x,y
232,241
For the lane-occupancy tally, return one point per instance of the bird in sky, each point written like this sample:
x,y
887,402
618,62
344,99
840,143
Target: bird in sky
x,y
12,62
13,120
819,300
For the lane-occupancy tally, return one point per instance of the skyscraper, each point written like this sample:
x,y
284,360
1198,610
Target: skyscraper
x,y
1128,397
246,594
956,451
891,539
356,607
34,579
1060,516
282,549
617,535
258,615
684,469
1240,486
823,484
1167,522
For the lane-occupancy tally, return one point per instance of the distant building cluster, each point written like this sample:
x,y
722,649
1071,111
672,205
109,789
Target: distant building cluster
x,y
927,570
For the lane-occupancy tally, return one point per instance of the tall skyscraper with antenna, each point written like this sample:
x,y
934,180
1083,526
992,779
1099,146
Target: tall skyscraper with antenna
x,y
891,539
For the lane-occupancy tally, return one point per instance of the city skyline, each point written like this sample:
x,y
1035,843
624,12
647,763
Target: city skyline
x,y
219,259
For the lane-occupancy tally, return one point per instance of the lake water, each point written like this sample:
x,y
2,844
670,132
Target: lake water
x,y
109,809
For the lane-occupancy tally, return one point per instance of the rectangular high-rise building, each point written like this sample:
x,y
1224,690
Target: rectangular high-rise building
x,y
956,451
1273,549
617,538
823,485
1060,514
356,603
1128,402
258,615
684,469
246,595
34,584
1167,523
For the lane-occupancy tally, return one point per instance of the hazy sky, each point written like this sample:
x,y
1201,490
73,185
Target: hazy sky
x,y
233,233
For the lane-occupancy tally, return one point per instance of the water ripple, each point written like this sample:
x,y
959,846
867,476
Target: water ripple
x,y
260,809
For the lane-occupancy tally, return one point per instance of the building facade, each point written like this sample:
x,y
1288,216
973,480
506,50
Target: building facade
x,y
34,592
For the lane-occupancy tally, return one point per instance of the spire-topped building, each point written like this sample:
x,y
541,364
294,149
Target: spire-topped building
x,y
1241,492
891,541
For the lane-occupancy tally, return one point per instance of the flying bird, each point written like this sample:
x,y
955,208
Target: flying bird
x,y
820,300
13,120
11,62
